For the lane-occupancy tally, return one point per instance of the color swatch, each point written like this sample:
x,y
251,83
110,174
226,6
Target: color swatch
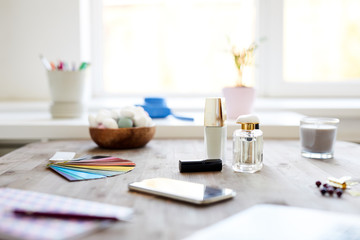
x,y
92,167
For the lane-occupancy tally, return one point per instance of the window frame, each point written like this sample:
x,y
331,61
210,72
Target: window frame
x,y
96,49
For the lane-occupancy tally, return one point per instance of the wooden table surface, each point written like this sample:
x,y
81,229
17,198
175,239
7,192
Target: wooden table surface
x,y
286,178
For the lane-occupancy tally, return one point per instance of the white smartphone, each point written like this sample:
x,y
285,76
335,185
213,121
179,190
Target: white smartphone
x,y
181,190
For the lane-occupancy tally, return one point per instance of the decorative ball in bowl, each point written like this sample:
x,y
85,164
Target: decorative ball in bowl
x,y
122,138
129,127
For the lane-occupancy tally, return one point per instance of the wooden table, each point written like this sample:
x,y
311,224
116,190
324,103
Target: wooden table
x,y
286,178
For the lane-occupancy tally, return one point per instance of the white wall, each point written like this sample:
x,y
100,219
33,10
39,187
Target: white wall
x,y
27,29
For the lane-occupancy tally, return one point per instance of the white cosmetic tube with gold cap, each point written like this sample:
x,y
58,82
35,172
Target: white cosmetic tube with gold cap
x,y
215,130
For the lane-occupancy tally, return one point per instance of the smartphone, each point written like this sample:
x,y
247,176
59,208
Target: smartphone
x,y
181,190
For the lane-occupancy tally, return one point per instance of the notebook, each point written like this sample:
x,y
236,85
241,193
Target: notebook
x,y
26,227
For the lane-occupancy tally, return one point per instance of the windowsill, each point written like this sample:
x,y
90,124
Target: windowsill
x,y
334,107
26,121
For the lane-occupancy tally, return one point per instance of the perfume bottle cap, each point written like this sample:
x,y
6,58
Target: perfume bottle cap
x,y
215,112
248,122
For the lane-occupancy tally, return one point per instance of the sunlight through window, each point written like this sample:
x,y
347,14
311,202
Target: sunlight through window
x,y
173,46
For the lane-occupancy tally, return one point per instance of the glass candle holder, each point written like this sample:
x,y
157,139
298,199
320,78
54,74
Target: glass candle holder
x,y
317,137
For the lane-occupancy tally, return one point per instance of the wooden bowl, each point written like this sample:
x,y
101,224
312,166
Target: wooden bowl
x,y
122,138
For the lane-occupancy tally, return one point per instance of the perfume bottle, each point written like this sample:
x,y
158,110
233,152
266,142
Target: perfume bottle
x,y
215,130
247,145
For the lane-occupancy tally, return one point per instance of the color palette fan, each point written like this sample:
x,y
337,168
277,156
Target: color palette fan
x,y
92,167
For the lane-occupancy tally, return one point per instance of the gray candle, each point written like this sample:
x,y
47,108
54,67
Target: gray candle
x,y
317,137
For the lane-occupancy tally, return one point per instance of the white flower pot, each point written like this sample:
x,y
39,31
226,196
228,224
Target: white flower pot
x,y
239,101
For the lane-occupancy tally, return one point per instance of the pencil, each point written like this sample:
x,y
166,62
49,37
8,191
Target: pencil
x,y
45,62
66,215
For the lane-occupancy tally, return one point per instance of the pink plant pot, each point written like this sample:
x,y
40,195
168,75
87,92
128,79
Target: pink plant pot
x,y
239,101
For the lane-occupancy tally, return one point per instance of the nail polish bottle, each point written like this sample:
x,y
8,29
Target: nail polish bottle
x,y
215,129
247,145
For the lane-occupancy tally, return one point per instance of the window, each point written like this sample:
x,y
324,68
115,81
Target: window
x,y
173,47
181,47
321,41
313,48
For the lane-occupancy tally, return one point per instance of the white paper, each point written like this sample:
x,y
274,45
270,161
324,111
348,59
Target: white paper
x,y
281,222
62,156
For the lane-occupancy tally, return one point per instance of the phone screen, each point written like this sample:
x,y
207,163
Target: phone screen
x,y
181,190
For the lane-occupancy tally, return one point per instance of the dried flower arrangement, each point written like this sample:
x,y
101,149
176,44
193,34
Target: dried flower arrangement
x,y
243,57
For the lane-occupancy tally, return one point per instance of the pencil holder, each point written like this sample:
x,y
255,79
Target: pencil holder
x,y
69,93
